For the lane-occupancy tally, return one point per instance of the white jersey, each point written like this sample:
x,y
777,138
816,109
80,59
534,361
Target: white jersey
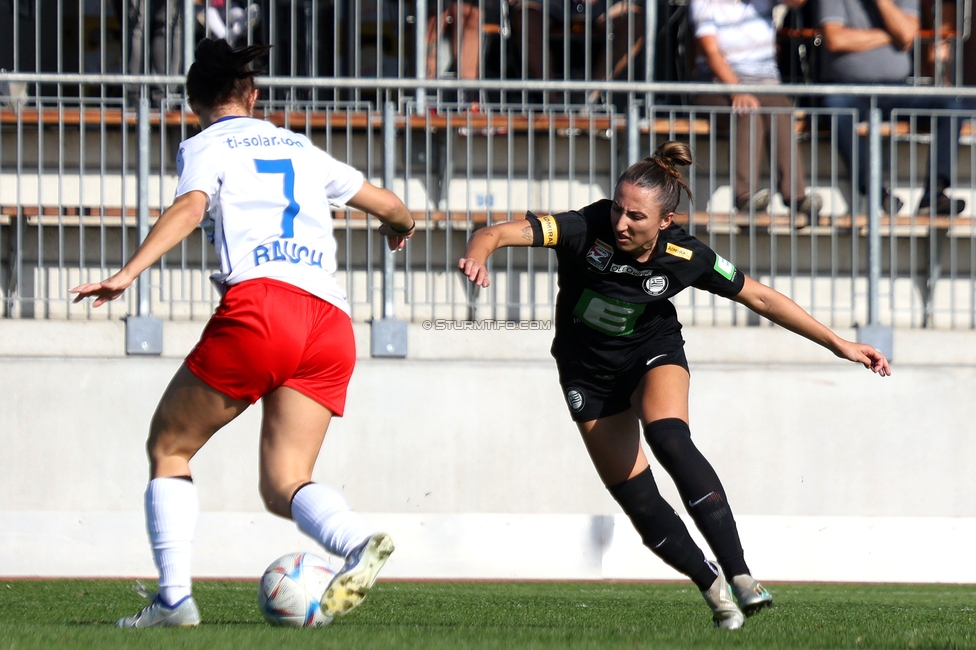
x,y
745,32
269,192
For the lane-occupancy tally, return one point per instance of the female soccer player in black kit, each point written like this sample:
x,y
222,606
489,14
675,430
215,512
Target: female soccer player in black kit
x,y
620,356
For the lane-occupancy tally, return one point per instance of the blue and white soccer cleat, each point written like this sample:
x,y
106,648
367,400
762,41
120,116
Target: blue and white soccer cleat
x,y
351,584
725,613
159,614
750,595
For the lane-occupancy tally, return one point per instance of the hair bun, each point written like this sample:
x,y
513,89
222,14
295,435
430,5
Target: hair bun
x,y
660,172
221,72
673,153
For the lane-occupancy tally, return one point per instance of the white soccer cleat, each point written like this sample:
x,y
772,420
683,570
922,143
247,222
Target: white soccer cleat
x,y
750,595
159,614
725,613
351,584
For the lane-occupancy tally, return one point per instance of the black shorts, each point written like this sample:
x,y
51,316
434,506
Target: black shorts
x,y
592,394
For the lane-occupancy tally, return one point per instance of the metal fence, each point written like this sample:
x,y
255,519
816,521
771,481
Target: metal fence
x,y
421,39
456,108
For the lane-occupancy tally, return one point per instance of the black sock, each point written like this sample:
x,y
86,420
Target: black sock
x,y
700,489
661,529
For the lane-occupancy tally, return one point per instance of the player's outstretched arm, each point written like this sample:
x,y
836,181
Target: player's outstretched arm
x,y
771,304
398,226
486,241
173,226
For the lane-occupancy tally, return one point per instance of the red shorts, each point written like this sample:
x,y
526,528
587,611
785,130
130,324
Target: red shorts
x,y
266,334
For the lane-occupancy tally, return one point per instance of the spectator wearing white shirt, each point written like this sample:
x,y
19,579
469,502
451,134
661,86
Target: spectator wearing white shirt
x,y
737,45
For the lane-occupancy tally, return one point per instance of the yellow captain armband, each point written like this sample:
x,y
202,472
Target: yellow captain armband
x,y
550,230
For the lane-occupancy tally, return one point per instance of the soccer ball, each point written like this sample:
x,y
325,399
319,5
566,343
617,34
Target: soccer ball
x,y
291,588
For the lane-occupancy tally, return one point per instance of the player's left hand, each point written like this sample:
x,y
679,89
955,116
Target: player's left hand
x,y
103,291
868,356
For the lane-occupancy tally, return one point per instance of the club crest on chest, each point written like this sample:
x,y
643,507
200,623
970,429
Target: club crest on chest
x,y
599,255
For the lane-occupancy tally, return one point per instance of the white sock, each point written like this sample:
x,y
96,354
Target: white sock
x,y
171,517
322,514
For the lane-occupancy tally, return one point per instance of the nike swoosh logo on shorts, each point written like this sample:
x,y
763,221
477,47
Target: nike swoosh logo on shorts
x,y
653,359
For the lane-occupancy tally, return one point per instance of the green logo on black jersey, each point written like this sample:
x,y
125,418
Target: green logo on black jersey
x,y
613,317
724,267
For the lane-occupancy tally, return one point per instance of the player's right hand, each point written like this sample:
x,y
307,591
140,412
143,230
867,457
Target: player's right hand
x,y
474,270
103,291
396,240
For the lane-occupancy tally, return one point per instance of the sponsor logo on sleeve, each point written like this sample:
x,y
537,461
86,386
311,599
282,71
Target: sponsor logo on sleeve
x,y
724,267
599,255
550,230
656,285
678,251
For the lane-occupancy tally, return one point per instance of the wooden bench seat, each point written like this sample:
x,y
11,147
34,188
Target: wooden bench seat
x,y
899,226
336,120
89,217
71,211
716,222
469,123
90,117
918,226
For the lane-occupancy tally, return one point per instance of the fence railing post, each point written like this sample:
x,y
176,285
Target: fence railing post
x,y
388,336
633,131
189,34
143,333
421,54
881,337
874,214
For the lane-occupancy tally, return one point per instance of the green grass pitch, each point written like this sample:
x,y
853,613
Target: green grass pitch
x,y
67,614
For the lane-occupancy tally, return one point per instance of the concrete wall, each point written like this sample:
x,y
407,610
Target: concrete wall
x,y
464,451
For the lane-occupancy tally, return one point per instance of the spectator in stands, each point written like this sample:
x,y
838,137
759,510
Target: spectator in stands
x,y
158,21
737,45
625,35
227,20
462,19
868,42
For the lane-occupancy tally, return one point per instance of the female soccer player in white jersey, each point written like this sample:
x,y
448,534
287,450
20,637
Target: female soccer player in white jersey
x,y
281,333
621,361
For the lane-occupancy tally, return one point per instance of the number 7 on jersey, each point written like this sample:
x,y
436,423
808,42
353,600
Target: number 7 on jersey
x,y
285,168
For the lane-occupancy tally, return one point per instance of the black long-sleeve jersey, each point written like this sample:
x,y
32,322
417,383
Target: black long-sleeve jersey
x,y
610,307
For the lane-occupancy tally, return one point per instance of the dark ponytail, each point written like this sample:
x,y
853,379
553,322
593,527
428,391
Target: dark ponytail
x,y
660,172
220,74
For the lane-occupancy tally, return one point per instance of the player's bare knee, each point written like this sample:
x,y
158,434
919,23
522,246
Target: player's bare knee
x,y
277,497
161,444
156,449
